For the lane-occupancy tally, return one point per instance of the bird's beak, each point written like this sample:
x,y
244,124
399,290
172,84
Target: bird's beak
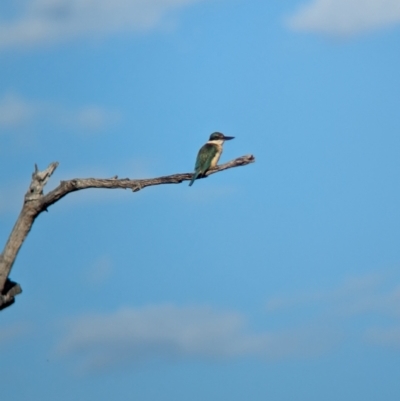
x,y
227,138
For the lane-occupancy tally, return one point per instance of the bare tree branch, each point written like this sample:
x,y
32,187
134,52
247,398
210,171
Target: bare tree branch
x,y
36,202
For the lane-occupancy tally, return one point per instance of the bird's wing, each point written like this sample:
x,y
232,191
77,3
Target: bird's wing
x,y
206,153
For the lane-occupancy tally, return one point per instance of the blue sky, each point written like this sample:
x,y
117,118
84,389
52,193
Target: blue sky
x,y
279,280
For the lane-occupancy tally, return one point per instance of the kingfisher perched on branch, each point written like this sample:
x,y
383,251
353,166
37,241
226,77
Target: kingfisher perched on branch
x,y
209,154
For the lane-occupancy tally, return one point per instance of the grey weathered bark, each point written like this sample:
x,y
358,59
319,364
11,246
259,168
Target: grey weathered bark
x,y
36,202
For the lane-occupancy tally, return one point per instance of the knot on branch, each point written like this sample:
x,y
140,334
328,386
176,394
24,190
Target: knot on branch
x,y
10,290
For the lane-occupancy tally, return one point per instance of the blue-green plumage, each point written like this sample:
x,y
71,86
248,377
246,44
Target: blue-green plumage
x,y
209,155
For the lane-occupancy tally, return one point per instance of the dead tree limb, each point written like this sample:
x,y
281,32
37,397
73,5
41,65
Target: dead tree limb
x,y
35,202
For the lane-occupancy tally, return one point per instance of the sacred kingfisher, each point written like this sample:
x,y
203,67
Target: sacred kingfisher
x,y
209,154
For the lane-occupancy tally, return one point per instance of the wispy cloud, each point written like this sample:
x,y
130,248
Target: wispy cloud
x,y
355,305
91,118
344,17
134,335
48,21
100,271
368,294
353,295
306,325
387,337
12,199
13,332
17,111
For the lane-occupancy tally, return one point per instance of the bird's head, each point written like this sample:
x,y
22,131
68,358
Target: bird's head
x,y
219,136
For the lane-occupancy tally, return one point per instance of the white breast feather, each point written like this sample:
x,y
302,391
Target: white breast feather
x,y
218,143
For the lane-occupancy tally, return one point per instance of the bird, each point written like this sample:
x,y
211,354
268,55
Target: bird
x,y
209,154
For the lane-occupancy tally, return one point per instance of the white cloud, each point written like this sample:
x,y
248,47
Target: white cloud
x,y
134,335
89,119
387,337
12,199
47,21
353,296
345,17
13,332
131,336
95,118
355,306
16,111
100,271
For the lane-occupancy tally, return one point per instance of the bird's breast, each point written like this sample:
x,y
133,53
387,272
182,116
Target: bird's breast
x,y
215,159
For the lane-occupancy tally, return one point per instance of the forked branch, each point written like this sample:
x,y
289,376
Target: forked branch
x,y
36,202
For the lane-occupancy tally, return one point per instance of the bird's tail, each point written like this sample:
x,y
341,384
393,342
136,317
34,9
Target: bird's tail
x,y
195,175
